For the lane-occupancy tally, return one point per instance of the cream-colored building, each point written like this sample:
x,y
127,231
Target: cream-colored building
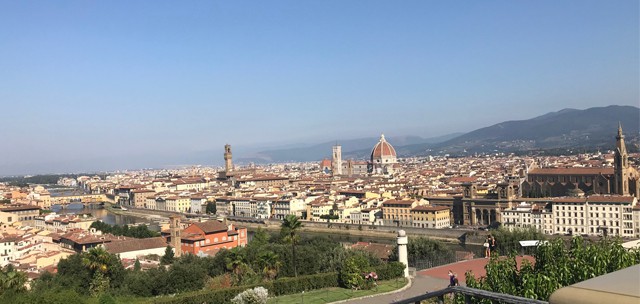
x,y
525,215
320,209
150,203
140,197
437,217
53,222
284,207
178,203
595,215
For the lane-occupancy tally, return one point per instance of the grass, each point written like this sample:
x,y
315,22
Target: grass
x,y
333,294
319,296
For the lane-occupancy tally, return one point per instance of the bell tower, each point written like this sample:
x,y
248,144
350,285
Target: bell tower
x,y
621,165
176,239
336,160
228,162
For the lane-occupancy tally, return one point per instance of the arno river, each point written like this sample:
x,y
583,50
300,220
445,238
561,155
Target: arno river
x,y
102,214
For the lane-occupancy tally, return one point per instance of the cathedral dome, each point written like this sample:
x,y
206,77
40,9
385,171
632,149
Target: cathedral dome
x,y
383,149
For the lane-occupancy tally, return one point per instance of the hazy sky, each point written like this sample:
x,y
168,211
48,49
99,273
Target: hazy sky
x,y
104,84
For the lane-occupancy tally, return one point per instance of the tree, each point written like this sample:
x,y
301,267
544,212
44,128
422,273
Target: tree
x,y
271,263
136,265
351,271
507,241
557,265
12,280
104,267
423,249
236,262
96,259
73,274
186,274
260,238
289,228
211,208
168,256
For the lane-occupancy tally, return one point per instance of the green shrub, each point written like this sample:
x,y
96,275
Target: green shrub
x,y
390,271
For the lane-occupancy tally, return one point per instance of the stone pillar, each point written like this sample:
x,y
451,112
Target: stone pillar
x,y
472,219
402,251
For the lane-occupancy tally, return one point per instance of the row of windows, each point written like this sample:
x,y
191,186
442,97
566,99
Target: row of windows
x,y
437,225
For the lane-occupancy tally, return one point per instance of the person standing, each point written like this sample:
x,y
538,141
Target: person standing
x,y
487,250
492,243
451,279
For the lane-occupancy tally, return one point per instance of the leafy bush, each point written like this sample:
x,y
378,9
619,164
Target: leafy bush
x,y
390,271
421,248
508,241
556,265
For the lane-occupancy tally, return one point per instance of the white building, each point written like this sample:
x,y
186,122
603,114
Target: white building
x,y
595,215
526,215
284,207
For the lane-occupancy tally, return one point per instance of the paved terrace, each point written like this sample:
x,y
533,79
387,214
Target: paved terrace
x,y
435,278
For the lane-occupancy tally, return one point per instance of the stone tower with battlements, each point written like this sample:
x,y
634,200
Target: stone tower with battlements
x,y
228,162
336,161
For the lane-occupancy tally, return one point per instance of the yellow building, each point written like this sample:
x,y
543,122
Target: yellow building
x,y
178,203
431,217
397,213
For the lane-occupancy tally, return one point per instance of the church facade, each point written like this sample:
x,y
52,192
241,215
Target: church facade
x,y
622,179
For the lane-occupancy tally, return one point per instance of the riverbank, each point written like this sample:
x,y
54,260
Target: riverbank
x,y
386,233
141,213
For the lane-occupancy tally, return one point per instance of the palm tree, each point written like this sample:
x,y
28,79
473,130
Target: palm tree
x,y
289,228
236,263
96,258
271,264
11,279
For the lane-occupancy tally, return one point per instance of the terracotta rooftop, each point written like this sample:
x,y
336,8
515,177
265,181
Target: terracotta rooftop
x,y
572,171
135,244
211,226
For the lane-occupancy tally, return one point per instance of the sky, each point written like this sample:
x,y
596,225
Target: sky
x,y
100,85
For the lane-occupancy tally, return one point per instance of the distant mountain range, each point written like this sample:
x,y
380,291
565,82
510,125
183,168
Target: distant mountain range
x,y
352,148
590,129
567,129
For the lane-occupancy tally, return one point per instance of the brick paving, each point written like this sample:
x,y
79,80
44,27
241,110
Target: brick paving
x,y
475,265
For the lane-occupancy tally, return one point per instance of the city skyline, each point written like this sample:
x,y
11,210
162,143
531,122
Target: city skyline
x,y
90,83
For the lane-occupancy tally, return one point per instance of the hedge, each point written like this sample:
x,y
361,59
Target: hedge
x,y
389,271
283,286
278,287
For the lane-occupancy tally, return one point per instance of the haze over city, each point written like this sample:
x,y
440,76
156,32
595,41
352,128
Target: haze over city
x,y
117,85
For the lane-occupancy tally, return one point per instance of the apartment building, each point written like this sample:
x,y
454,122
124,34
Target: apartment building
x,y
595,215
397,212
431,217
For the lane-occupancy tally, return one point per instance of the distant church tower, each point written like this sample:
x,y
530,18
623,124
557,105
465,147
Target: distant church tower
x,y
228,163
336,161
621,164
176,239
